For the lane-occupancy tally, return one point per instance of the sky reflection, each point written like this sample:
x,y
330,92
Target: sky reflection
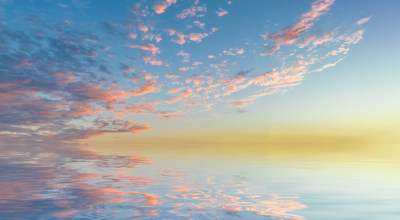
x,y
77,183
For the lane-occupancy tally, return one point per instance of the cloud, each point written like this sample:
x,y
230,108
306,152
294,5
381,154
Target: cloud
x,y
173,100
117,126
151,59
292,33
175,90
186,56
194,11
327,37
23,63
184,68
238,103
329,65
187,93
306,41
149,47
352,38
179,39
363,20
197,37
151,37
170,31
233,52
221,12
149,87
132,35
199,24
143,28
172,76
161,6
250,99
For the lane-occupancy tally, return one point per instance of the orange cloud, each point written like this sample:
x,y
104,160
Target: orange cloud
x,y
161,6
292,34
149,47
149,87
64,79
143,28
197,37
175,90
132,35
187,93
151,59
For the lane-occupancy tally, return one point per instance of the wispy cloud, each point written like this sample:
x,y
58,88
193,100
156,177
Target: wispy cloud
x,y
292,33
193,11
149,47
363,20
221,12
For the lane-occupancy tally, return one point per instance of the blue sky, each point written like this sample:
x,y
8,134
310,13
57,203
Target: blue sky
x,y
77,69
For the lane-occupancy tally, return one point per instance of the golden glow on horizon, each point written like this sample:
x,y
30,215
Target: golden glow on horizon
x,y
328,144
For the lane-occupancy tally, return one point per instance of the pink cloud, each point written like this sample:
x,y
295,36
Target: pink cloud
x,y
363,20
199,24
240,51
144,108
187,93
170,31
64,214
180,38
352,38
23,63
327,37
149,87
143,28
175,90
161,6
132,35
151,59
173,100
149,47
192,12
172,76
186,56
250,99
64,79
197,37
292,34
221,12
184,68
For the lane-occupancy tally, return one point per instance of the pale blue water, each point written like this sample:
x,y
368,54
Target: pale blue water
x,y
66,183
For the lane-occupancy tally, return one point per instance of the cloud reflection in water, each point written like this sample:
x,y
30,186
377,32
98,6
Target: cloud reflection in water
x,y
74,183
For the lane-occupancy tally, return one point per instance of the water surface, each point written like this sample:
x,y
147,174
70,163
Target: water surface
x,y
197,182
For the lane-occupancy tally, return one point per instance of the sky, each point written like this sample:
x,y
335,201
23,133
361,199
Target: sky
x,y
173,71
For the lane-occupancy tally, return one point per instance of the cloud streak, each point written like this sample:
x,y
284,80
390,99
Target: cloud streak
x,y
292,33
